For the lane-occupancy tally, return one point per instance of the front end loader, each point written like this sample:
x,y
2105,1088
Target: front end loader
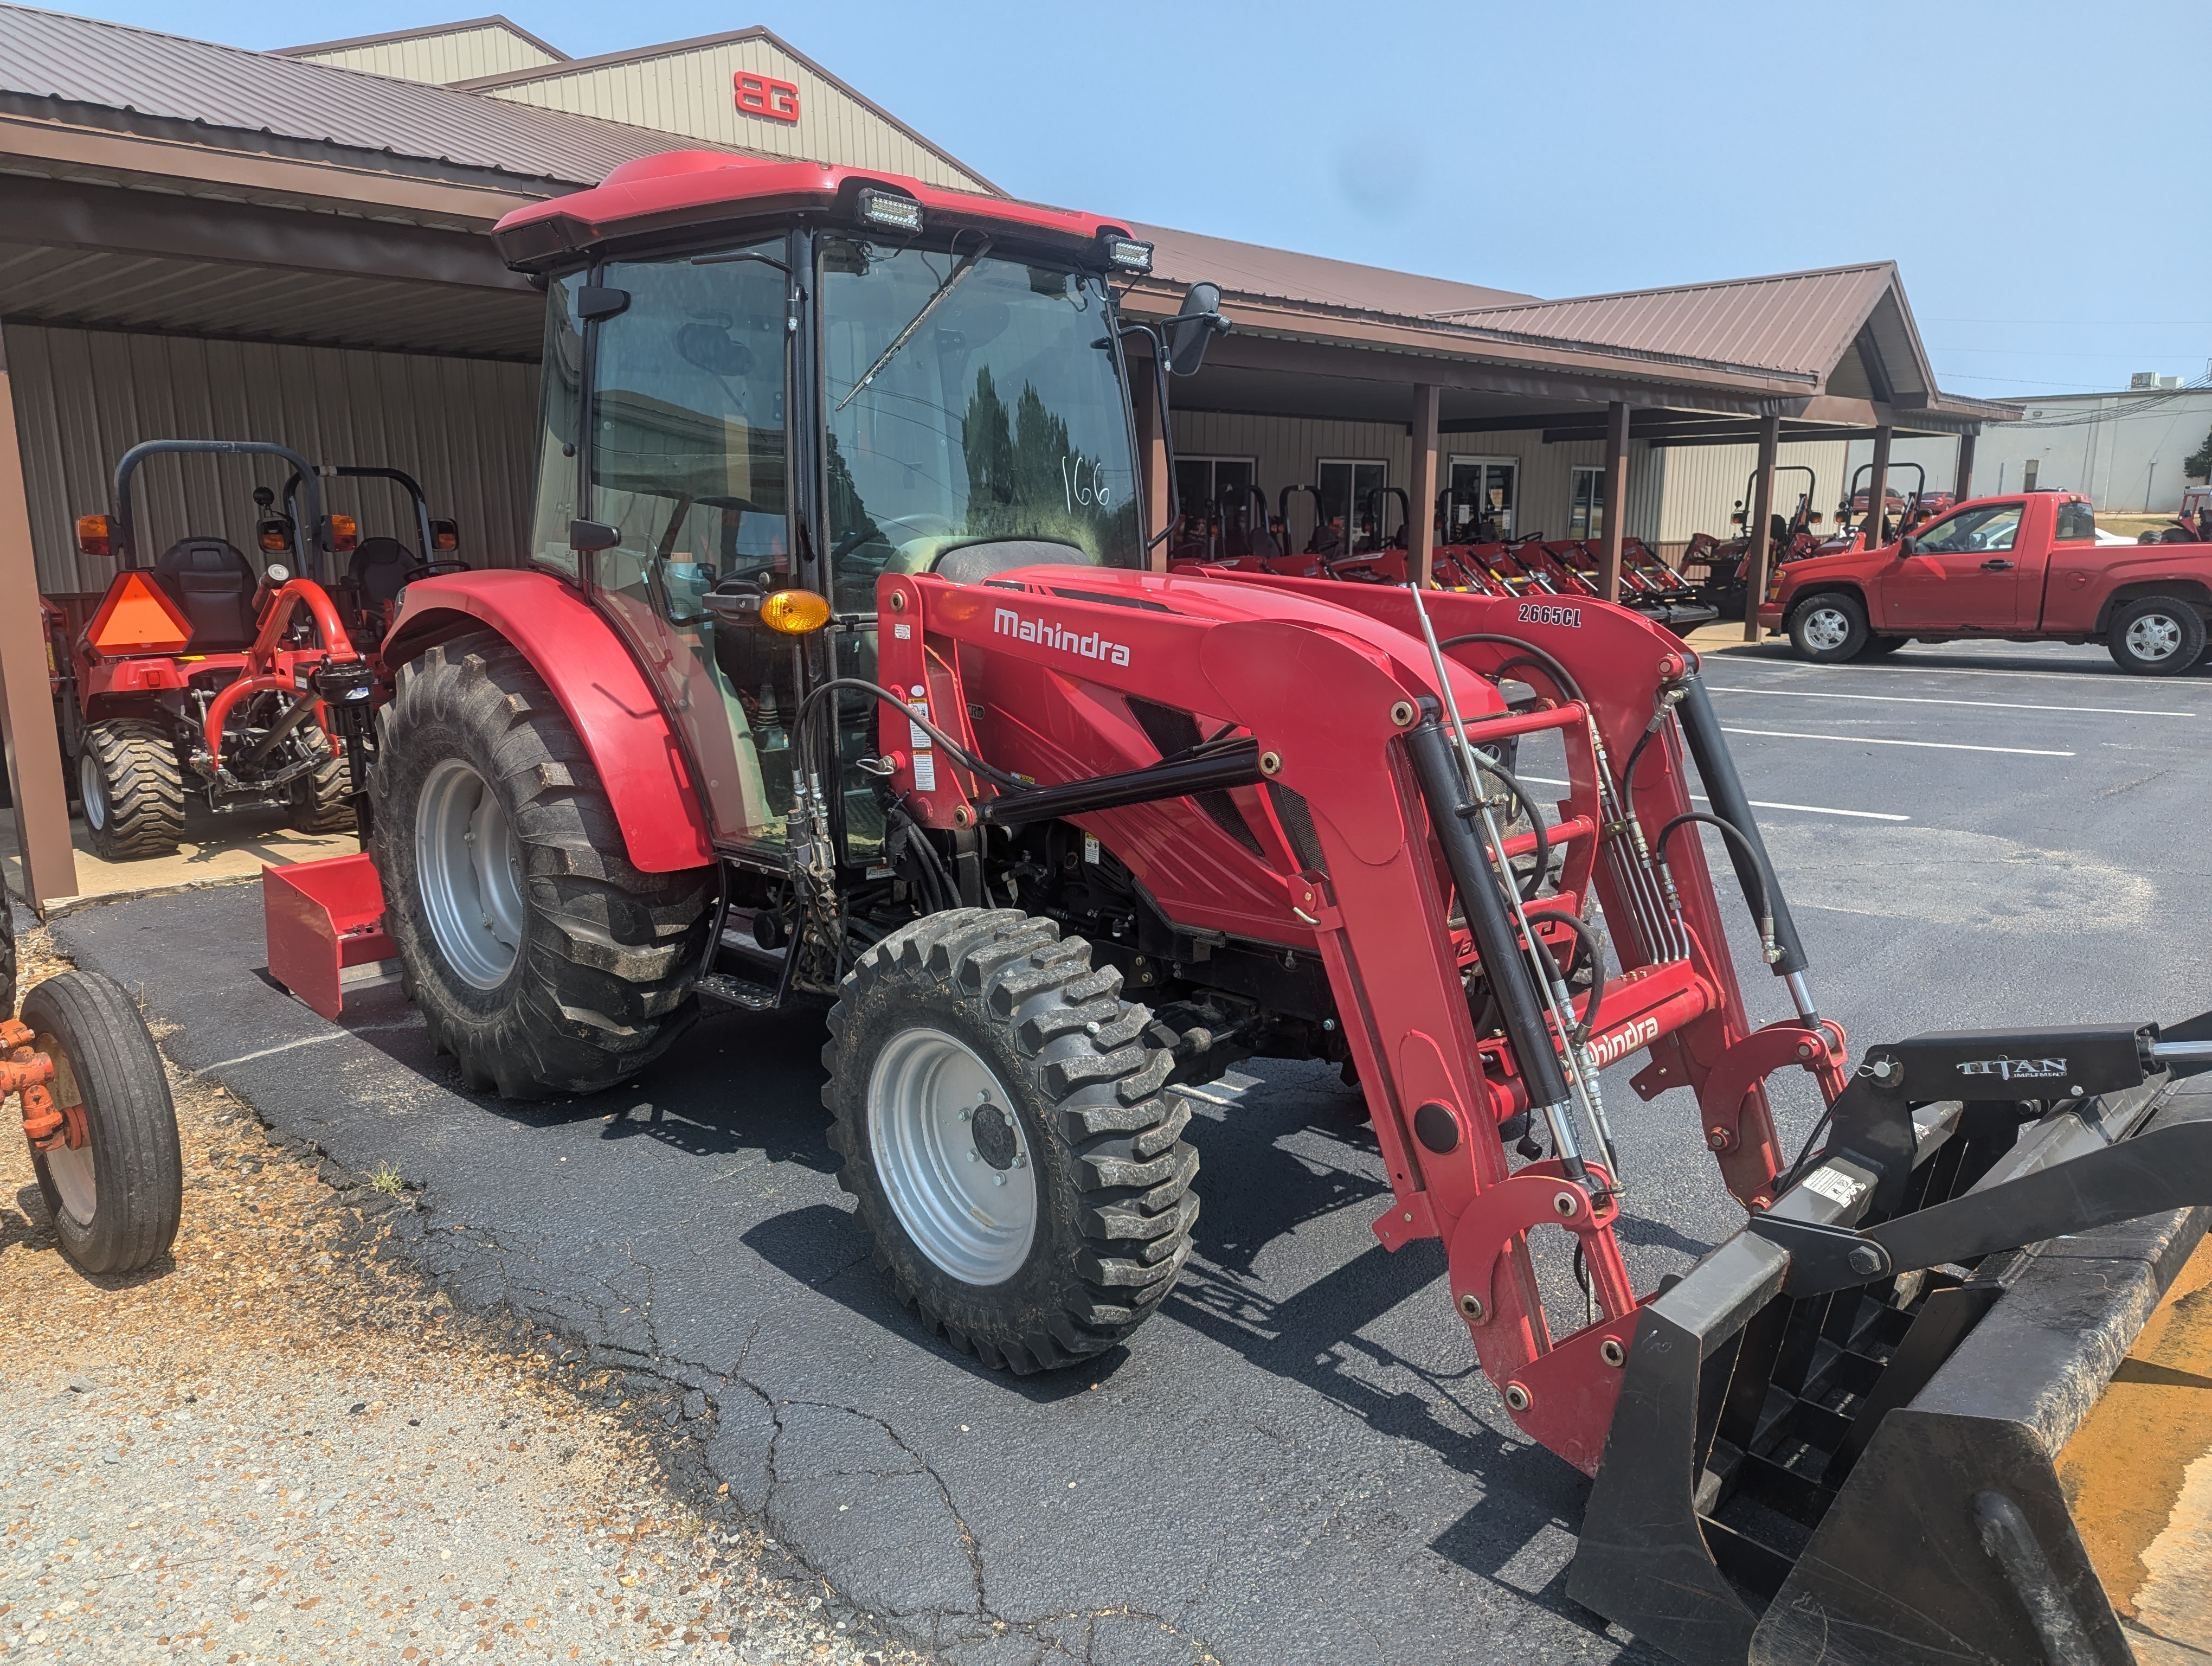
x,y
840,679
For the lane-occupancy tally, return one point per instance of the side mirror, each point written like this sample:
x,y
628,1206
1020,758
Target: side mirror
x,y
1198,323
93,535
585,536
1905,547
445,535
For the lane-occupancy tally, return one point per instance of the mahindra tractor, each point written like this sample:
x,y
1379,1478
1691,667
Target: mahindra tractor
x,y
837,678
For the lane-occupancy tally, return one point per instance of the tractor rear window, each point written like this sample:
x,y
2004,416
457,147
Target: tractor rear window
x,y
2077,523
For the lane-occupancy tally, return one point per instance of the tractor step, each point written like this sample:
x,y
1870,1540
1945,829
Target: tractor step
x,y
737,992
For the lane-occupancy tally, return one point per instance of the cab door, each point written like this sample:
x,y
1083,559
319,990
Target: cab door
x,y
686,465
1963,573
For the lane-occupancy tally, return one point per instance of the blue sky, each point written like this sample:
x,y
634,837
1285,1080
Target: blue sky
x,y
2038,171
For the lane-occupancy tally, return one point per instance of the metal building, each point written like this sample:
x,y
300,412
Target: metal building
x,y
201,241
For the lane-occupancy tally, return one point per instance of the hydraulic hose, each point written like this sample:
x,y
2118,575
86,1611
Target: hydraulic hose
x,y
1543,853
961,756
1580,927
1536,656
1757,858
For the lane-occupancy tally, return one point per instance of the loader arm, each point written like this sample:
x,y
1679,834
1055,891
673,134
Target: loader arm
x,y
1359,837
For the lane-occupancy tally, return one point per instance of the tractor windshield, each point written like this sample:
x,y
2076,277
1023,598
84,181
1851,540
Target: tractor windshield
x,y
968,398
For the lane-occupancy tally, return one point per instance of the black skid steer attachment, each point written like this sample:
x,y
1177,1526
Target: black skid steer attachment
x,y
1838,1437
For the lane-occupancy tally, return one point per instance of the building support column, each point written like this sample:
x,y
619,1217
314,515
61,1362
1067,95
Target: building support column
x,y
1877,488
1761,525
1962,477
1421,491
1151,460
1616,498
27,705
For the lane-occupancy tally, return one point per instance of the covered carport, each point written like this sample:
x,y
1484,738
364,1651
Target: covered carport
x,y
199,241
1328,353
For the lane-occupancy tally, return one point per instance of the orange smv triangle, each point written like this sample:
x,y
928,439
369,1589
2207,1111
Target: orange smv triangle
x,y
137,617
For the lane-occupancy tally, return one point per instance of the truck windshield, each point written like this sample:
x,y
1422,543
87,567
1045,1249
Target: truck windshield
x,y
969,398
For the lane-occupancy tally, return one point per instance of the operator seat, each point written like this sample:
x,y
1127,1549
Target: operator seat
x,y
212,583
379,570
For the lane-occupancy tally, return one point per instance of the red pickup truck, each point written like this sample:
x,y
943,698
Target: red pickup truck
x,y
2025,568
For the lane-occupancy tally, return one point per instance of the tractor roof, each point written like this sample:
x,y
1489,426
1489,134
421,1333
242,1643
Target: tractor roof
x,y
680,190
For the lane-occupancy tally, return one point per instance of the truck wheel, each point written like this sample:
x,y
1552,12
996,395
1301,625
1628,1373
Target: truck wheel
x,y
131,788
322,800
2155,636
997,1106
116,1197
1828,628
541,960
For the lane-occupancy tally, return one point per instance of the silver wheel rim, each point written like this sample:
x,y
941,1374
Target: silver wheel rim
x,y
2155,636
89,789
1827,628
952,1156
469,867
73,1174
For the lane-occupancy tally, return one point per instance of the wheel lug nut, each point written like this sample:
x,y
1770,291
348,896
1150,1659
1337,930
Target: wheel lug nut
x,y
965,1113
998,1180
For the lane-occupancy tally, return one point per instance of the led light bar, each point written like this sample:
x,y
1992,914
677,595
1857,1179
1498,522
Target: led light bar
x,y
890,210
1127,254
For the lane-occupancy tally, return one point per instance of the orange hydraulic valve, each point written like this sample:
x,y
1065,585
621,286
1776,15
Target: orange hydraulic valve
x,y
25,1070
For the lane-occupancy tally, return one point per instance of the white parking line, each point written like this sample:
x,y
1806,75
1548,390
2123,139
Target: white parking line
x,y
1926,700
1764,804
1871,740
1909,669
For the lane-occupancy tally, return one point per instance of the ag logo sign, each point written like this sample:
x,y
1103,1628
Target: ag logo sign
x,y
765,95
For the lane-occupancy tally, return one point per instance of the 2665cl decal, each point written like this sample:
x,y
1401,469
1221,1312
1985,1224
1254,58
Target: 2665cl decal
x,y
1543,613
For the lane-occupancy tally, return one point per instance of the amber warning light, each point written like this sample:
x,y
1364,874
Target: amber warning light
x,y
794,612
345,533
93,536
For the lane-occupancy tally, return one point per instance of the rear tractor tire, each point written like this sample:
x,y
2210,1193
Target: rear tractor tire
x,y
116,1197
1828,628
322,799
542,959
2155,636
131,787
998,1108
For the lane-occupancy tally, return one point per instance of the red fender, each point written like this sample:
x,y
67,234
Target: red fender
x,y
597,680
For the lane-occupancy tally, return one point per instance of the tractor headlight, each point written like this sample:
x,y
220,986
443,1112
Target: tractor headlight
x,y
893,210
794,612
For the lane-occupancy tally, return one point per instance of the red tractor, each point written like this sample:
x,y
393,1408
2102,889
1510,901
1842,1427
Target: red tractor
x,y
201,676
838,677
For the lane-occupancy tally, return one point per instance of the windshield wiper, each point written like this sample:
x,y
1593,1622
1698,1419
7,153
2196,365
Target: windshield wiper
x,y
959,272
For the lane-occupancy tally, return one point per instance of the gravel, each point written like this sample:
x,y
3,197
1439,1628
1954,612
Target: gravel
x,y
276,1446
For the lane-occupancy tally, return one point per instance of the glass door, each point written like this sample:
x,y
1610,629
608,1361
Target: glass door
x,y
687,463
1478,507
1346,485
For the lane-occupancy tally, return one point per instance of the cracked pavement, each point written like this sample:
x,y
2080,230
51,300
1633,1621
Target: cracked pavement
x,y
1297,1459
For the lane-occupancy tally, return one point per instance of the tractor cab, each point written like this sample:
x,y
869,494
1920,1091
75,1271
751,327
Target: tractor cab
x,y
817,381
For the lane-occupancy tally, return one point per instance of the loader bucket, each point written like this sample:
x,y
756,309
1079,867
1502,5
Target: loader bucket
x,y
324,920
1936,1464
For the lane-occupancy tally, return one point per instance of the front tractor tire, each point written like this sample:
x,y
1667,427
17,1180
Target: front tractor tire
x,y
2155,636
999,1111
541,959
131,787
1829,628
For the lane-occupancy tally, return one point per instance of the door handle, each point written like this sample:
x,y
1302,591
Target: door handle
x,y
1996,567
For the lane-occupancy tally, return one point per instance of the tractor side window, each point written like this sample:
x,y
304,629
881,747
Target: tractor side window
x,y
686,464
1971,532
560,391
2077,523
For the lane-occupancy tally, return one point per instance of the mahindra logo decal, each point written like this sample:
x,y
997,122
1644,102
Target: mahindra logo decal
x,y
1616,1044
1086,645
2014,1070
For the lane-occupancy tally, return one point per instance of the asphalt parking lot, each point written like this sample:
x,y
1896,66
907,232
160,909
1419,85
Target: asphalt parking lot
x,y
1298,1460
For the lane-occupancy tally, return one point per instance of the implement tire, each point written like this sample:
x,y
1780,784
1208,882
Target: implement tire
x,y
131,787
997,1106
322,800
2155,636
115,1200
547,964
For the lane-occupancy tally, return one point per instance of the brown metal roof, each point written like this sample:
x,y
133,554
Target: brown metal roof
x,y
1253,269
428,32
79,60
698,42
1796,322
